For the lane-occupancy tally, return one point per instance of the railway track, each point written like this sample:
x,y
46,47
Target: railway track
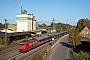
x,y
14,54
5,54
10,53
8,50
29,54
39,51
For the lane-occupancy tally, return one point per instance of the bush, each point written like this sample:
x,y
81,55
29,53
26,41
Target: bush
x,y
81,56
2,41
8,41
26,37
39,55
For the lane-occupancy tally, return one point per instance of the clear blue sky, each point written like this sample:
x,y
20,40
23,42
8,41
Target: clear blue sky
x,y
65,11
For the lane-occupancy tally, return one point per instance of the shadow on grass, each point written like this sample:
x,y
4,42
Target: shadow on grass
x,y
66,44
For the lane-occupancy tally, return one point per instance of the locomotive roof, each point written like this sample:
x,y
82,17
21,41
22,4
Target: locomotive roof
x,y
33,40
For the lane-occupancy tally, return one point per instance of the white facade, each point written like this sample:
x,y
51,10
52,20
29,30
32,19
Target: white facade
x,y
34,24
22,25
24,22
29,25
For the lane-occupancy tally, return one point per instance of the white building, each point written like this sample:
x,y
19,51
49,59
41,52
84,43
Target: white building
x,y
25,22
34,23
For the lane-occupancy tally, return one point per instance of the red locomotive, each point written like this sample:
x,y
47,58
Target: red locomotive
x,y
26,45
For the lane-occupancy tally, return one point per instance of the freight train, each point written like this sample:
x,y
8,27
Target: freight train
x,y
26,45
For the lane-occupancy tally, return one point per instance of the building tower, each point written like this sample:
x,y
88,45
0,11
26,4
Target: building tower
x,y
25,22
33,23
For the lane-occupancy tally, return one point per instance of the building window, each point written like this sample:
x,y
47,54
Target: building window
x,y
84,33
87,32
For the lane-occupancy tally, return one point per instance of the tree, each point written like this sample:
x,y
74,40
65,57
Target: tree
x,y
1,25
43,25
61,26
51,24
74,37
39,25
82,23
58,27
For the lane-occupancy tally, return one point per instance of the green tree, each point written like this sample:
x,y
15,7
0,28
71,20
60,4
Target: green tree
x,y
62,27
74,38
1,25
39,25
58,27
51,24
43,25
82,23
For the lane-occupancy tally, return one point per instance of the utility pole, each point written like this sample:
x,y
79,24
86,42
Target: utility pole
x,y
53,30
21,8
53,25
5,32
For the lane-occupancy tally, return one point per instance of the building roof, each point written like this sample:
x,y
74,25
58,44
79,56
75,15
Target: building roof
x,y
85,28
85,39
2,34
8,31
1,28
